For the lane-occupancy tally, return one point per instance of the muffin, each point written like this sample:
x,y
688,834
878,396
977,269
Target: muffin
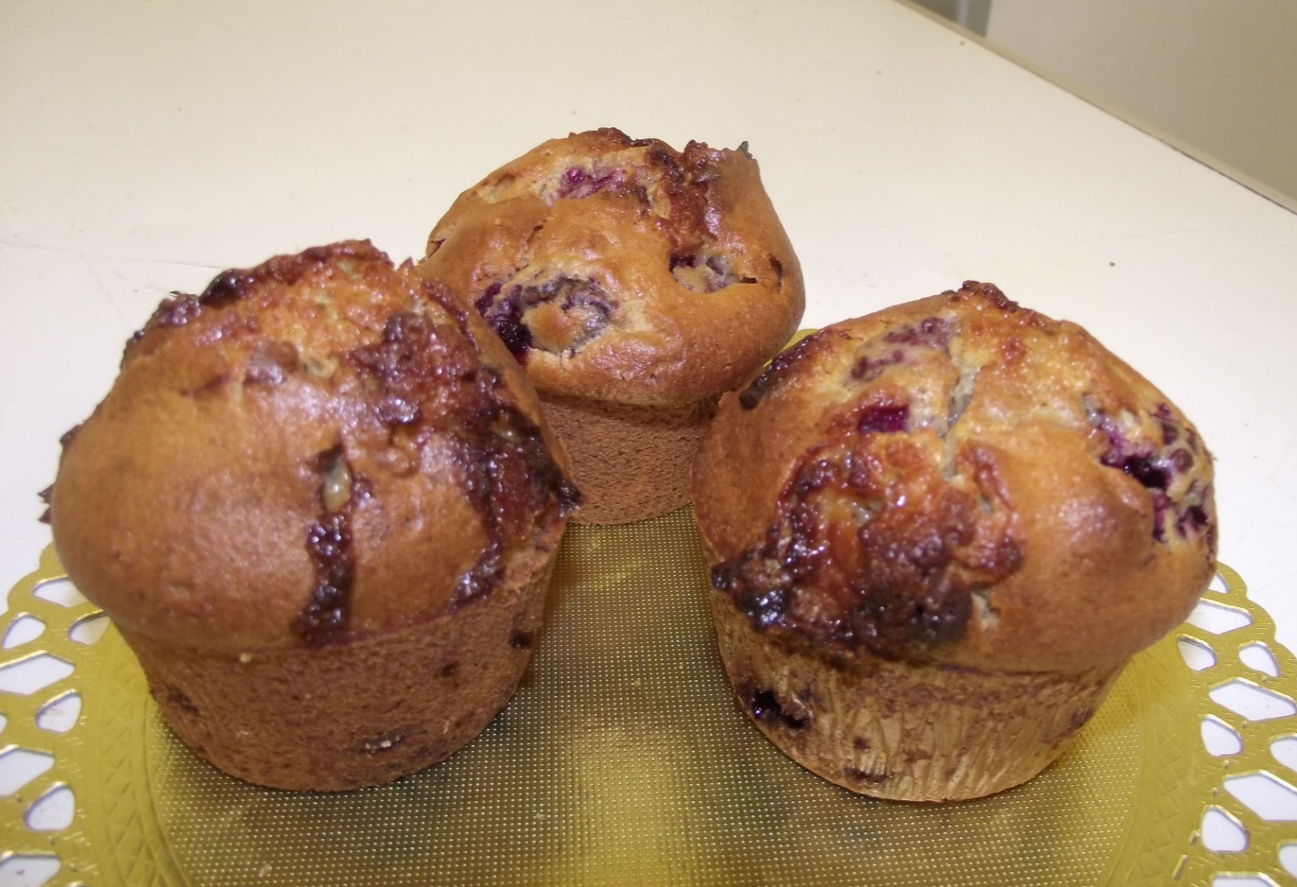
x,y
321,507
635,284
937,533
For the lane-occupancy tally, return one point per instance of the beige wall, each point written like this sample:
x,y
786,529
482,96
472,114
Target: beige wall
x,y
1221,75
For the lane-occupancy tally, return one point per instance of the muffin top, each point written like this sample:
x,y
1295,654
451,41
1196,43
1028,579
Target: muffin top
x,y
957,480
315,450
618,269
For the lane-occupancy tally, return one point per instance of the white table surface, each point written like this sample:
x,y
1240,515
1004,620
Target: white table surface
x,y
146,144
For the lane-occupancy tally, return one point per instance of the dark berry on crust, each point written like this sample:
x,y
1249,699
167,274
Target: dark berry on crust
x,y
324,620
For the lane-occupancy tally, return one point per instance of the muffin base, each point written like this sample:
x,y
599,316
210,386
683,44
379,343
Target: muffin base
x,y
352,714
629,462
903,731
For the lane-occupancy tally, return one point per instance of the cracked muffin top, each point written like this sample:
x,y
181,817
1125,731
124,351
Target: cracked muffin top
x,y
619,269
315,450
957,480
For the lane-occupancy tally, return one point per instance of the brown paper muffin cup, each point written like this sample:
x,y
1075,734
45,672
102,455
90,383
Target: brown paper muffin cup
x,y
903,731
629,462
351,714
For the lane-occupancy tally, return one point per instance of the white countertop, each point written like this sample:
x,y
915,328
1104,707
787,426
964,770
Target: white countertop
x,y
146,145
149,144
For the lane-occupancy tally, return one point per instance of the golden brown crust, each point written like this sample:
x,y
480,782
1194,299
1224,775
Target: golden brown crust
x,y
957,480
622,270
316,450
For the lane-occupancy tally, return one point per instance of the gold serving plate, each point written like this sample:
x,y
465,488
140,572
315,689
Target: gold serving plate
x,y
625,760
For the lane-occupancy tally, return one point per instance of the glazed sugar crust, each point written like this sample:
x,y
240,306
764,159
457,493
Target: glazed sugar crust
x,y
618,269
957,481
316,451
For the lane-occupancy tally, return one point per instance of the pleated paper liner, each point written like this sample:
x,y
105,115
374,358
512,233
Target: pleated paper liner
x,y
624,760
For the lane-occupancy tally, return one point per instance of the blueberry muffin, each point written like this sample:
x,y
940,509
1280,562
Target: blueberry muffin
x,y
938,533
321,505
635,284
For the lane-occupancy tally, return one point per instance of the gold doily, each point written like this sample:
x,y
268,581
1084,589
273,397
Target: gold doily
x,y
624,759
